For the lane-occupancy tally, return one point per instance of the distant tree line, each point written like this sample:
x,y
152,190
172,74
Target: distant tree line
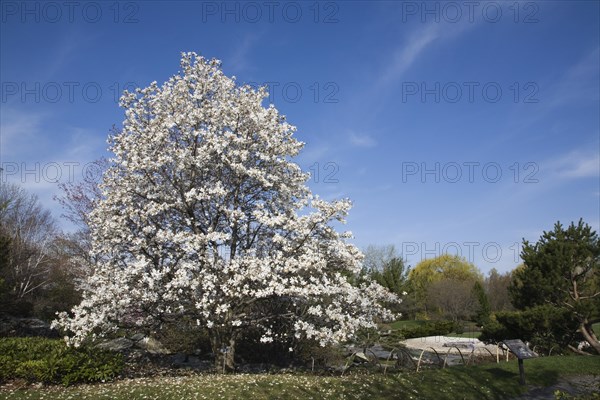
x,y
37,269
443,287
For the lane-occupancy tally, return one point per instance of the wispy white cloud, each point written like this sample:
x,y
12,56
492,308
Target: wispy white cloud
x,y
67,48
27,135
577,85
19,129
364,141
405,55
577,164
38,156
314,152
84,144
579,82
64,52
238,60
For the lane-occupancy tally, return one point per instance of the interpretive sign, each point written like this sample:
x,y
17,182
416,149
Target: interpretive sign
x,y
522,351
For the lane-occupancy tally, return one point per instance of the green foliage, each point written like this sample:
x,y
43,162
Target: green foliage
x,y
407,323
545,327
393,276
429,328
444,267
452,299
558,261
560,395
483,308
562,269
51,361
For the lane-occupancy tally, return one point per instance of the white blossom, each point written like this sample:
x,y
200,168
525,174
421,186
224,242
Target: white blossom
x,y
204,213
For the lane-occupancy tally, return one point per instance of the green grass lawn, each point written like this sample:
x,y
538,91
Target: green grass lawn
x,y
470,330
490,381
470,335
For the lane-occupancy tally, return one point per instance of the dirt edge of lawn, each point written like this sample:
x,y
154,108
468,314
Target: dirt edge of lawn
x,y
573,385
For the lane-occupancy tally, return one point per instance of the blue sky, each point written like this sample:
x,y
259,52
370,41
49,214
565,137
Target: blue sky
x,y
454,127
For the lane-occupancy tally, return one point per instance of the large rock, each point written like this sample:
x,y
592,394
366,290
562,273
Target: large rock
x,y
10,326
184,361
152,346
380,352
119,344
361,357
376,350
137,337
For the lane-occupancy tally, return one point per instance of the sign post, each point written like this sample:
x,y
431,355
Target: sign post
x,y
521,372
520,349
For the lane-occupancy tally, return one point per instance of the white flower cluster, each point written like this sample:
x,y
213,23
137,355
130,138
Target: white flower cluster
x,y
205,215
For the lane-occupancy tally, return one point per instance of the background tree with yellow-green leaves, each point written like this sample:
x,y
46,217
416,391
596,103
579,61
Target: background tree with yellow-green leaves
x,y
444,285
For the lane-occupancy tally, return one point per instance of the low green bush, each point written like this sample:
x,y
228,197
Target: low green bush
x,y
50,361
429,328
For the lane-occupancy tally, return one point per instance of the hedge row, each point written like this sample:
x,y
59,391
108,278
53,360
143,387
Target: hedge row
x,y
435,328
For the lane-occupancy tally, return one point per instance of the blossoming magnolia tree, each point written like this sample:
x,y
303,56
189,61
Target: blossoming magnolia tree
x,y
205,216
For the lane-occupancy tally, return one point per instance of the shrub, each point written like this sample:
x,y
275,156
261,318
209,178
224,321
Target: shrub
x,y
458,328
544,327
48,361
430,328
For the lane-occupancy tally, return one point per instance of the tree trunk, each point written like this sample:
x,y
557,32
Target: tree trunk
x,y
223,348
588,335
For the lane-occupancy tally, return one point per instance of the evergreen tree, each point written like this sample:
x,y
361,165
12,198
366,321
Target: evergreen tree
x,y
562,269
